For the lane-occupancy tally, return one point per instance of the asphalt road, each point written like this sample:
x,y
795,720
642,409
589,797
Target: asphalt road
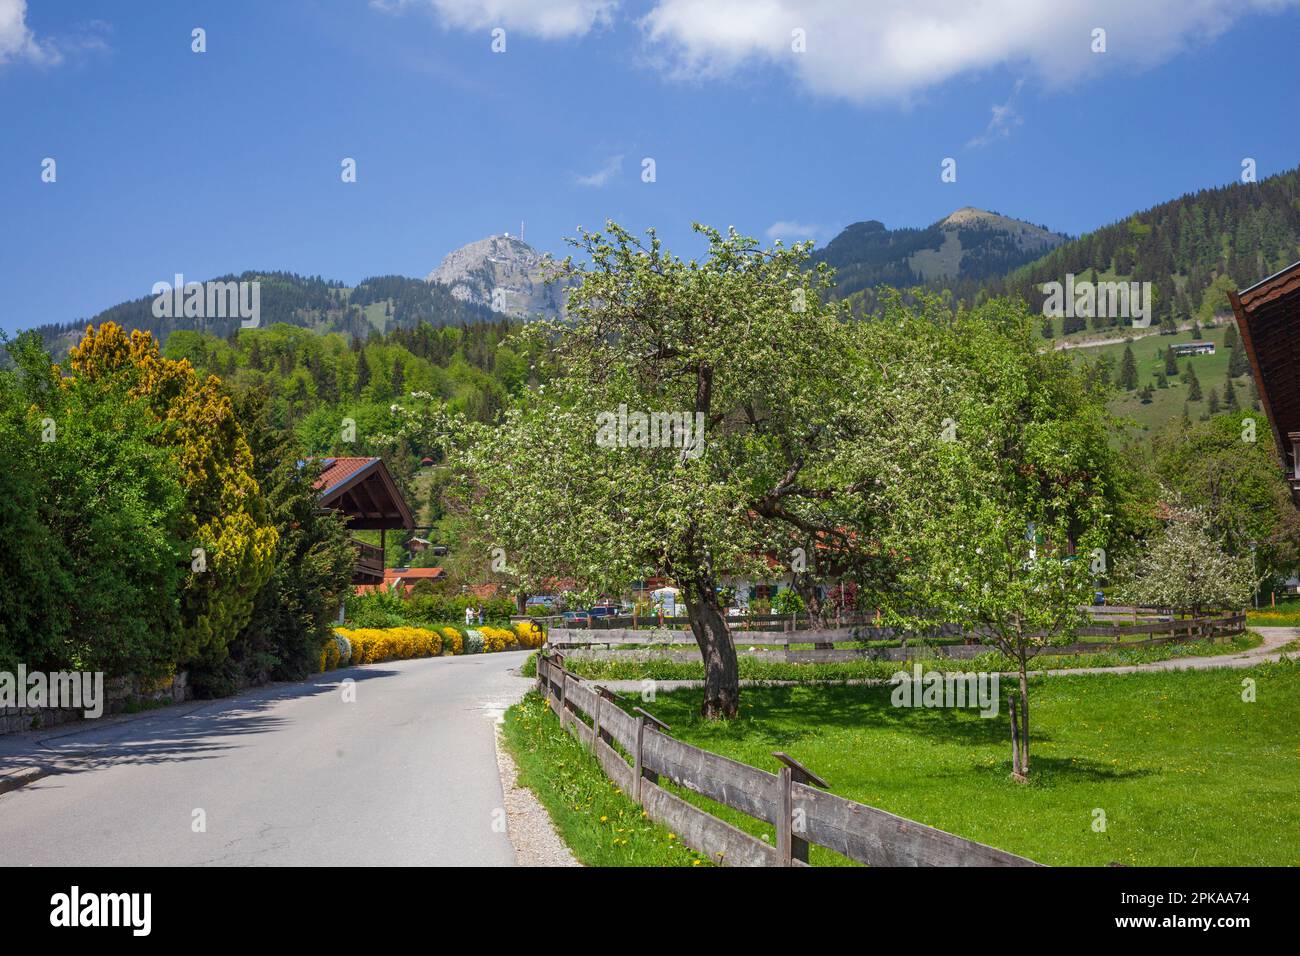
x,y
288,775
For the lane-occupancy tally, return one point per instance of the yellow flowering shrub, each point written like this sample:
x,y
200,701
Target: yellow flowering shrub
x,y
498,639
329,656
371,645
529,633
452,641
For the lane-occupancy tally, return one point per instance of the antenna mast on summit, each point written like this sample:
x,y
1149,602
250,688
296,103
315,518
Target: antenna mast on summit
x,y
521,230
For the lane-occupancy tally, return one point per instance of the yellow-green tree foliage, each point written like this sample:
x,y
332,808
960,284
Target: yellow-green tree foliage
x,y
226,517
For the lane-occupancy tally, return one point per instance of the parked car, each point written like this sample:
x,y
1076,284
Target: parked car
x,y
541,600
603,610
577,619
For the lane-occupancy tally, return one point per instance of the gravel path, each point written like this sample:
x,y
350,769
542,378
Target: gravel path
x,y
531,832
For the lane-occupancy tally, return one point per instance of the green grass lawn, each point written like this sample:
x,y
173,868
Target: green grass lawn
x,y
1285,614
601,825
1184,770
753,668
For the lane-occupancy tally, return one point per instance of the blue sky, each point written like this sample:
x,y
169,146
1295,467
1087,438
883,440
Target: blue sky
x,y
206,163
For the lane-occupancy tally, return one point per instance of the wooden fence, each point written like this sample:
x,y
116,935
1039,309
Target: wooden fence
x,y
1155,627
795,800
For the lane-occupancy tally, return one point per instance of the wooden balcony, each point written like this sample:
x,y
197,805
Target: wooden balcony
x,y
370,563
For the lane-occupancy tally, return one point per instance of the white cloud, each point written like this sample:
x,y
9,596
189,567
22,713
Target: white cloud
x,y
1002,120
601,177
17,42
549,19
865,50
788,231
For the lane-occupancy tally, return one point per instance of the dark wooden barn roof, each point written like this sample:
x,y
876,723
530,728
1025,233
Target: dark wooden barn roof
x,y
363,489
1268,317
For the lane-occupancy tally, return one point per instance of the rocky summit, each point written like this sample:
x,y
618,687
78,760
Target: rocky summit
x,y
503,273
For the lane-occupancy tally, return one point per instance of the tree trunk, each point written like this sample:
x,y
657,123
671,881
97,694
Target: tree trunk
x,y
806,588
721,672
1024,715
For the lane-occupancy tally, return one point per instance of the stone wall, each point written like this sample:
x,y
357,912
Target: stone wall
x,y
120,693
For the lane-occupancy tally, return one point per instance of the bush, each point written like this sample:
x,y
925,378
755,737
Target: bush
x,y
473,642
529,633
453,642
373,645
345,648
378,609
497,639
329,656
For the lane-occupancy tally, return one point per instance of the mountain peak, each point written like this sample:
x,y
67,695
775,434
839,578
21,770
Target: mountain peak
x,y
503,273
969,244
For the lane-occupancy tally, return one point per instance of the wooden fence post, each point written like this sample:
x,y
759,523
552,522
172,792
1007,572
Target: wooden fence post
x,y
785,822
790,846
637,766
646,717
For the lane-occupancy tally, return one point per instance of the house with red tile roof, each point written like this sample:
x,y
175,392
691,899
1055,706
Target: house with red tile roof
x,y
364,490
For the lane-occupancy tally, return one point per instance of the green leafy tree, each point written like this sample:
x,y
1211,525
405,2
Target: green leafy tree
x,y
792,420
1228,467
1002,522
103,514
314,559
1186,567
231,543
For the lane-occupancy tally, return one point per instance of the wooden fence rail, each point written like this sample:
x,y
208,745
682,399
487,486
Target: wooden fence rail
x,y
795,801
1161,629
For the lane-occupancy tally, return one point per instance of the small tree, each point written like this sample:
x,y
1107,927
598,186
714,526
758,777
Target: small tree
x,y
1186,567
1003,520
1128,373
1171,362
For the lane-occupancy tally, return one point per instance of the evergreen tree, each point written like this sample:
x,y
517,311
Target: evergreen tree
x,y
1128,373
1171,362
1237,363
1230,337
363,374
1193,385
1214,401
